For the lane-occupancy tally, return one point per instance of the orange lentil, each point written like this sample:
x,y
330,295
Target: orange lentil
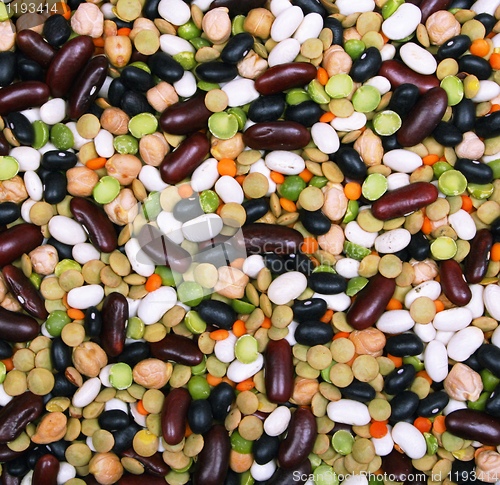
x,y
75,314
245,385
439,425
9,365
153,283
495,60
439,305
424,425
226,166
352,191
479,48
322,76
466,203
495,252
306,175
239,328
341,335
99,42
188,431
430,159
378,429
398,361
288,205
220,334
61,8
426,226
327,117
240,179
96,163
124,31
140,408
424,374
212,380
277,177
310,245
495,107
394,305
185,191
326,318
266,323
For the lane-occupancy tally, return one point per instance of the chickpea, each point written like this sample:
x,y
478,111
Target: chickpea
x,y
123,209
259,22
335,202
369,146
124,168
118,50
488,466
333,240
230,148
88,20
252,66
52,428
336,61
7,35
351,33
463,384
470,147
370,341
162,96
424,270
106,468
231,282
10,303
152,373
89,359
304,390
13,190
153,148
81,181
441,26
115,121
217,25
44,259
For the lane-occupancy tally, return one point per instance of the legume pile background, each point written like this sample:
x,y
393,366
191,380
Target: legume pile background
x,y
250,242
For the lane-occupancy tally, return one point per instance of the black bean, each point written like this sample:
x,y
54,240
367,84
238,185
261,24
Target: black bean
x,y
358,391
135,103
200,416
54,187
488,126
237,48
93,322
116,91
165,67
433,404
473,362
419,247
312,308
447,134
475,65
124,437
137,79
350,162
21,128
464,115
403,99
134,353
474,171
306,113
217,313
265,448
487,20
220,399
62,386
492,406
56,30
465,4
55,160
337,30
29,70
267,108
5,350
216,72
255,209
32,456
366,66
404,345
327,283
403,405
60,354
7,68
9,212
315,222
64,251
313,333
391,142
454,48
150,9
463,471
298,262
18,467
310,6
113,419
187,209
274,263
488,356
399,379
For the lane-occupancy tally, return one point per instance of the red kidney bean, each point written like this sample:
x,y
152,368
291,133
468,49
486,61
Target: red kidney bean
x,y
470,424
114,321
17,414
174,415
423,117
262,238
27,295
279,371
186,117
68,62
398,73
476,262
6,454
298,476
428,7
4,146
23,95
17,240
143,479
299,442
153,464
277,135
96,222
16,327
397,464
86,87
453,283
163,250
213,460
46,470
370,302
404,200
182,162
180,349
35,48
285,76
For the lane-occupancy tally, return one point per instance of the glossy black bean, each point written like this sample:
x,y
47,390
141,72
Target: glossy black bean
x,y
403,99
216,72
492,406
358,391
9,212
454,48
267,108
113,419
56,30
464,115
124,437
62,386
150,9
217,313
199,416
312,308
116,91
55,160
274,263
237,48
475,171
310,6
447,134
18,467
403,405
64,251
419,247
487,20
165,67
29,70
495,226
475,65
265,448
473,362
366,66
463,471
232,478
390,142
134,353
397,465
219,253
488,356
399,379
327,283
337,30
488,126
255,209
465,4
21,128
54,187
315,222
123,24
404,345
298,262
237,7
137,79
60,354
313,332
220,399
135,103
350,162
58,449
5,350
306,113
7,68
433,404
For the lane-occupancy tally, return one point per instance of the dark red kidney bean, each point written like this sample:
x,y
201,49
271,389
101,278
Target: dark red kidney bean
x,y
428,7
313,332
17,240
177,348
213,460
474,425
186,117
85,89
46,470
404,200
23,95
366,66
277,135
299,442
453,283
404,98
476,262
8,479
285,76
454,48
475,65
23,289
474,171
370,302
15,415
154,464
163,250
4,146
398,465
16,327
144,479
399,379
33,46
96,222
398,73
298,476
423,117
114,321
174,415
306,113
182,162
263,238
6,454
279,371
68,62
217,313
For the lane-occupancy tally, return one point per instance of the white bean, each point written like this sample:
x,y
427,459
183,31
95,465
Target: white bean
x,y
186,85
310,28
229,190
285,162
392,241
443,336
402,22
476,304
66,472
25,209
348,267
67,230
170,226
290,338
286,23
33,185
239,372
286,51
86,296
426,333
348,7
464,343
491,297
84,252
463,224
383,446
381,83
263,472
454,405
339,302
487,91
87,393
224,349
325,137
171,44
205,176
485,6
277,422
351,123
347,411
419,59
357,235
409,439
398,180
176,12
287,287
139,261
396,321
436,361
155,304
431,289
253,264
151,178
401,160
53,111
27,157
452,320
240,92
202,228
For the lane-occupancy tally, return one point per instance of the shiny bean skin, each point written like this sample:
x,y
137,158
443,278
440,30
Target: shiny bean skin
x,y
404,200
398,73
217,313
286,477
399,379
475,172
68,62
454,47
9,212
475,65
366,66
285,76
34,47
182,162
299,442
404,345
18,413
144,479
114,321
447,134
216,72
96,222
174,415
213,460
476,263
220,399
133,353
87,86
423,117
306,113
486,127
313,332
277,135
464,115
8,479
310,309
23,95
474,425
4,146
370,302
237,48
6,454
177,348
262,238
358,391
16,327
398,465
27,295
453,284
46,470
428,7
154,464
166,68
255,209
433,404
186,117
279,371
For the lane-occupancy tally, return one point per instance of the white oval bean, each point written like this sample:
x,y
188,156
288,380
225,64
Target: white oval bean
x,y
443,336
87,393
285,162
239,372
171,44
205,176
431,289
151,178
176,12
67,230
395,321
53,111
464,343
186,85
310,28
392,241
203,227
27,157
354,122
240,92
476,304
402,22
33,185
229,190
454,405
357,235
452,320
84,252
253,264
86,296
348,267
398,180
401,160
25,209
286,23
491,297
285,51
348,7
287,287
463,224
155,304
139,261
263,472
66,472
104,144
224,349
347,411
418,59
487,91
409,439
383,446
436,361
339,302
426,333
277,422
325,137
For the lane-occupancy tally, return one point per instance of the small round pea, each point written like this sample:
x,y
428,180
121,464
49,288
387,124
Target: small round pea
x,y
145,443
341,375
390,266
423,310
342,350
40,381
365,368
